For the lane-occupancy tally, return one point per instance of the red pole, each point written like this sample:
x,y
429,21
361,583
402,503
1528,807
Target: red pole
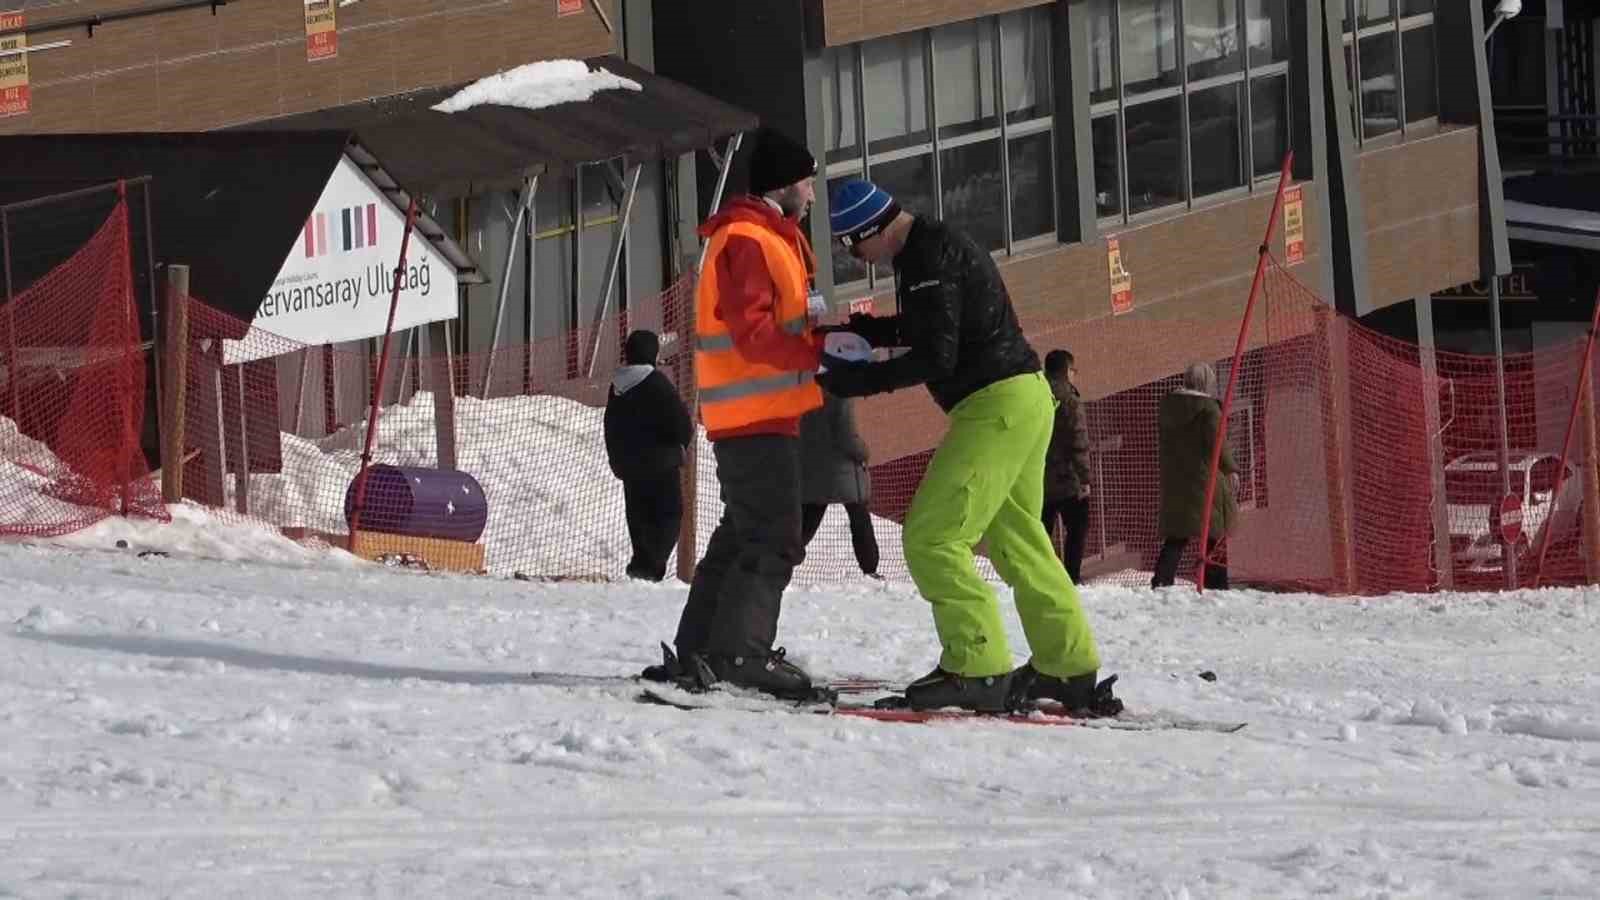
x,y
1263,254
1566,442
130,436
377,384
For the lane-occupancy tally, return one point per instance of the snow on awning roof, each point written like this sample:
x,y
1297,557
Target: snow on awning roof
x,y
538,85
491,145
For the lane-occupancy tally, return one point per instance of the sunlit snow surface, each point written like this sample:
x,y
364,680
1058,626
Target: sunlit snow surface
x,y
311,726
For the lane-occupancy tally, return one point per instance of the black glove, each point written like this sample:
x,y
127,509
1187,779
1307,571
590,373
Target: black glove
x,y
845,377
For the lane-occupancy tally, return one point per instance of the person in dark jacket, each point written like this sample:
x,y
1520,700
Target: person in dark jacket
x,y
833,469
647,428
1187,421
986,479
1066,464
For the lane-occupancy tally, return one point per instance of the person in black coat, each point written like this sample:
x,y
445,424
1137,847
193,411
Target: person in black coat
x,y
647,430
1066,464
833,469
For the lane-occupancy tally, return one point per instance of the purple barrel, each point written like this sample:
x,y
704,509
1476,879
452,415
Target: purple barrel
x,y
418,502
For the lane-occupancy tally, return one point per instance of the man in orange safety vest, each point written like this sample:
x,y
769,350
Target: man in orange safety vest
x,y
755,358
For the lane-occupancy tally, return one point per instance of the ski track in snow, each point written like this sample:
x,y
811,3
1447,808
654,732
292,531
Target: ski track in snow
x,y
312,727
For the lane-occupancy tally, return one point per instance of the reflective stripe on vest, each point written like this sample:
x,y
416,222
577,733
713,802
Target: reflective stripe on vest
x,y
725,341
755,386
735,392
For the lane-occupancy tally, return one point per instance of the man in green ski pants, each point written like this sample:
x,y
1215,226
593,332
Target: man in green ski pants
x,y
986,480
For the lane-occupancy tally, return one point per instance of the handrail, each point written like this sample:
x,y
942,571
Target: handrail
x,y
95,20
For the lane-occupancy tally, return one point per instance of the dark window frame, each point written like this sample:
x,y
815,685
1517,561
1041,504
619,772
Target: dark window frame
x,y
1398,25
1246,76
1003,133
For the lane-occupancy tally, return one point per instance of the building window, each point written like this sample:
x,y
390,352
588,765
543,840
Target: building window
x,y
1176,120
1389,59
958,123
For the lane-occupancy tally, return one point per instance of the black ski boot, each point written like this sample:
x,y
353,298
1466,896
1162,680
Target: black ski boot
x,y
1083,696
939,689
770,674
669,669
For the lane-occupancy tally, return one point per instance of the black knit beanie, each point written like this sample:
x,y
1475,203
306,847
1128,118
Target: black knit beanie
x,y
777,162
641,348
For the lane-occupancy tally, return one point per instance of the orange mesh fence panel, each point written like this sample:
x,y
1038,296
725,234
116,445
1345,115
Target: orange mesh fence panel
x,y
531,486
1486,518
1354,476
74,390
1365,464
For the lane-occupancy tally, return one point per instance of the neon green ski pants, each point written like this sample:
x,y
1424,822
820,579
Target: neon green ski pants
x,y
986,482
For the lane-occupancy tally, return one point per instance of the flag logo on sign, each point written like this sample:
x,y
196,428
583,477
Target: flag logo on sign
x,y
355,227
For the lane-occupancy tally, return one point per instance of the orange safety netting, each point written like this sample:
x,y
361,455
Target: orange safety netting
x,y
74,394
1366,464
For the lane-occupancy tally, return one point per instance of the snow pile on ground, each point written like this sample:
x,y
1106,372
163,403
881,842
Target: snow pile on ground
x,y
554,506
29,476
27,468
199,533
18,449
183,728
538,85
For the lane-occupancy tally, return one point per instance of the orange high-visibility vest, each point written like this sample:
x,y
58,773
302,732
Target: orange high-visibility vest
x,y
735,392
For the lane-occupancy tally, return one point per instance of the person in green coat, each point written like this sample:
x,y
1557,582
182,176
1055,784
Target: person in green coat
x,y
1187,421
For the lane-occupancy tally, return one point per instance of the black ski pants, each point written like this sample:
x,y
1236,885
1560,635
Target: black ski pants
x,y
862,537
1074,518
1167,565
738,586
654,507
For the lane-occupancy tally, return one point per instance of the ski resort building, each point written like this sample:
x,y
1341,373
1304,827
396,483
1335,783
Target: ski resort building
x,y
1121,158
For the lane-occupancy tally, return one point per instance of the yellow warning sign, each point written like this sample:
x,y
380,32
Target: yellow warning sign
x,y
1121,281
322,30
16,98
1294,227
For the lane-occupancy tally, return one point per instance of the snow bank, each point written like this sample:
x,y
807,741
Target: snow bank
x,y
197,532
28,468
555,509
554,506
537,86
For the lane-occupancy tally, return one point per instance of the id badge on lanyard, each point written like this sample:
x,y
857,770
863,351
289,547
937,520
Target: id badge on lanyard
x,y
816,306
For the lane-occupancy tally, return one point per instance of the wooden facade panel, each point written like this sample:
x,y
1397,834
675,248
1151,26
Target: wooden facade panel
x,y
55,108
252,24
185,33
396,10
250,59
848,21
366,64
233,87
429,62
125,104
115,48
478,46
537,33
303,85
1421,216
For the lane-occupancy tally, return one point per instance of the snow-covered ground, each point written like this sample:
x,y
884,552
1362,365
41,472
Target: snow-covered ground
x,y
309,726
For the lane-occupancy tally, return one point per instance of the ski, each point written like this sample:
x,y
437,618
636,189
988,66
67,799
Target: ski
x,y
852,684
1044,714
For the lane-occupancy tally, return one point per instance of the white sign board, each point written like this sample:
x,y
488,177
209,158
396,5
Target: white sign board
x,y
336,283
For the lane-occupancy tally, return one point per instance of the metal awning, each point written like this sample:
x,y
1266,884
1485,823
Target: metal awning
x,y
500,147
1563,210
